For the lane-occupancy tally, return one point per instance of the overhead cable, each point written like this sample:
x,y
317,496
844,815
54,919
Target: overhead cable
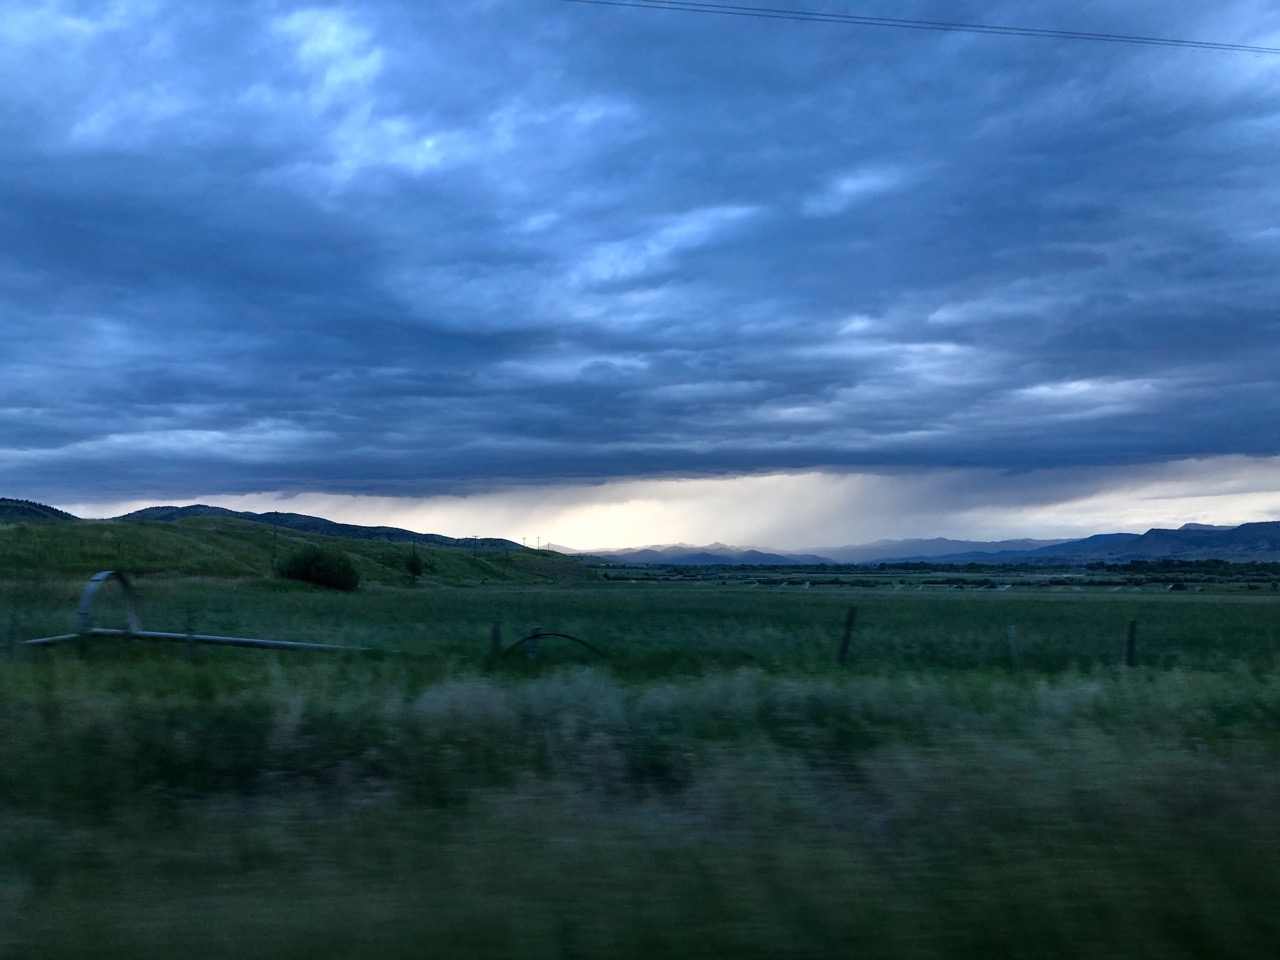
x,y
774,13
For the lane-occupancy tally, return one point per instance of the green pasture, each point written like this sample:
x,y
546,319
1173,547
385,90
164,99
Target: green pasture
x,y
656,630
714,785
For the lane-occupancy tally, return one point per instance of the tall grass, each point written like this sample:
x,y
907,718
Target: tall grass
x,y
715,786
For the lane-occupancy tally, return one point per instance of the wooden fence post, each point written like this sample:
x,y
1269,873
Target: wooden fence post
x,y
1131,643
845,640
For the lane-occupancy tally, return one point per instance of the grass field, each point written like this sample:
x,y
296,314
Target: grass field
x,y
714,786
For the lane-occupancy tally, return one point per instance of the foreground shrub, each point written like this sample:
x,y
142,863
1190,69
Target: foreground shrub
x,y
323,566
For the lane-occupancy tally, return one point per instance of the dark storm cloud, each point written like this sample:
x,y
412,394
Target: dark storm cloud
x,y
396,248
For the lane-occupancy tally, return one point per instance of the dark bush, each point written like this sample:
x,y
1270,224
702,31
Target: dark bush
x,y
323,566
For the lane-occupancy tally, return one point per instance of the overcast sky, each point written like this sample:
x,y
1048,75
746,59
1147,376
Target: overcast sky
x,y
610,276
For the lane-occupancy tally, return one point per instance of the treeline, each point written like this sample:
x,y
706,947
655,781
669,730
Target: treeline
x,y
1185,569
1164,569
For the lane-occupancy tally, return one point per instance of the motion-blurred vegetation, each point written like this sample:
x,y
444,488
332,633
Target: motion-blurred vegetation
x,y
714,785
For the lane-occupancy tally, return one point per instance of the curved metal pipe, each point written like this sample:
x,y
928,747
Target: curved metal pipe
x,y
535,636
84,612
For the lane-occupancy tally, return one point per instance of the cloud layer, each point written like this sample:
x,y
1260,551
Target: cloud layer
x,y
415,250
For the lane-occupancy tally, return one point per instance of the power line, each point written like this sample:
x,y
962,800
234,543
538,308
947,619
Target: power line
x,y
773,13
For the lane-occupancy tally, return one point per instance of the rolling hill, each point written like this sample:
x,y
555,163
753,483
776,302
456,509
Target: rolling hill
x,y
27,511
319,525
210,542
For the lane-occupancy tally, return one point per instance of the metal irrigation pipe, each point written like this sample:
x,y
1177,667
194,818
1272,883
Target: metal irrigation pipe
x,y
196,638
86,630
546,633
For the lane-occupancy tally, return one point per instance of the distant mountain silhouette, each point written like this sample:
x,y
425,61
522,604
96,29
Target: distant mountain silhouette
x,y
882,551
1247,542
716,554
1098,542
306,524
1192,541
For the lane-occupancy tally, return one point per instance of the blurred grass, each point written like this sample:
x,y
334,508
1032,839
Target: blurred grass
x,y
716,786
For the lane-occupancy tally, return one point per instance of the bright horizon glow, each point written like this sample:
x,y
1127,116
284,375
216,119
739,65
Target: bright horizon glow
x,y
798,511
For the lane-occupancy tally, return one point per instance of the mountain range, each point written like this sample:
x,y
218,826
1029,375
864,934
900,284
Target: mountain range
x,y
1192,541
682,554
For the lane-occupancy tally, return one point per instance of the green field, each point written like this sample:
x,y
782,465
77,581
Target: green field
x,y
714,785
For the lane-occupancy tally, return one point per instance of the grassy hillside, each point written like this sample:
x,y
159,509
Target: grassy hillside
x,y
229,547
28,511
